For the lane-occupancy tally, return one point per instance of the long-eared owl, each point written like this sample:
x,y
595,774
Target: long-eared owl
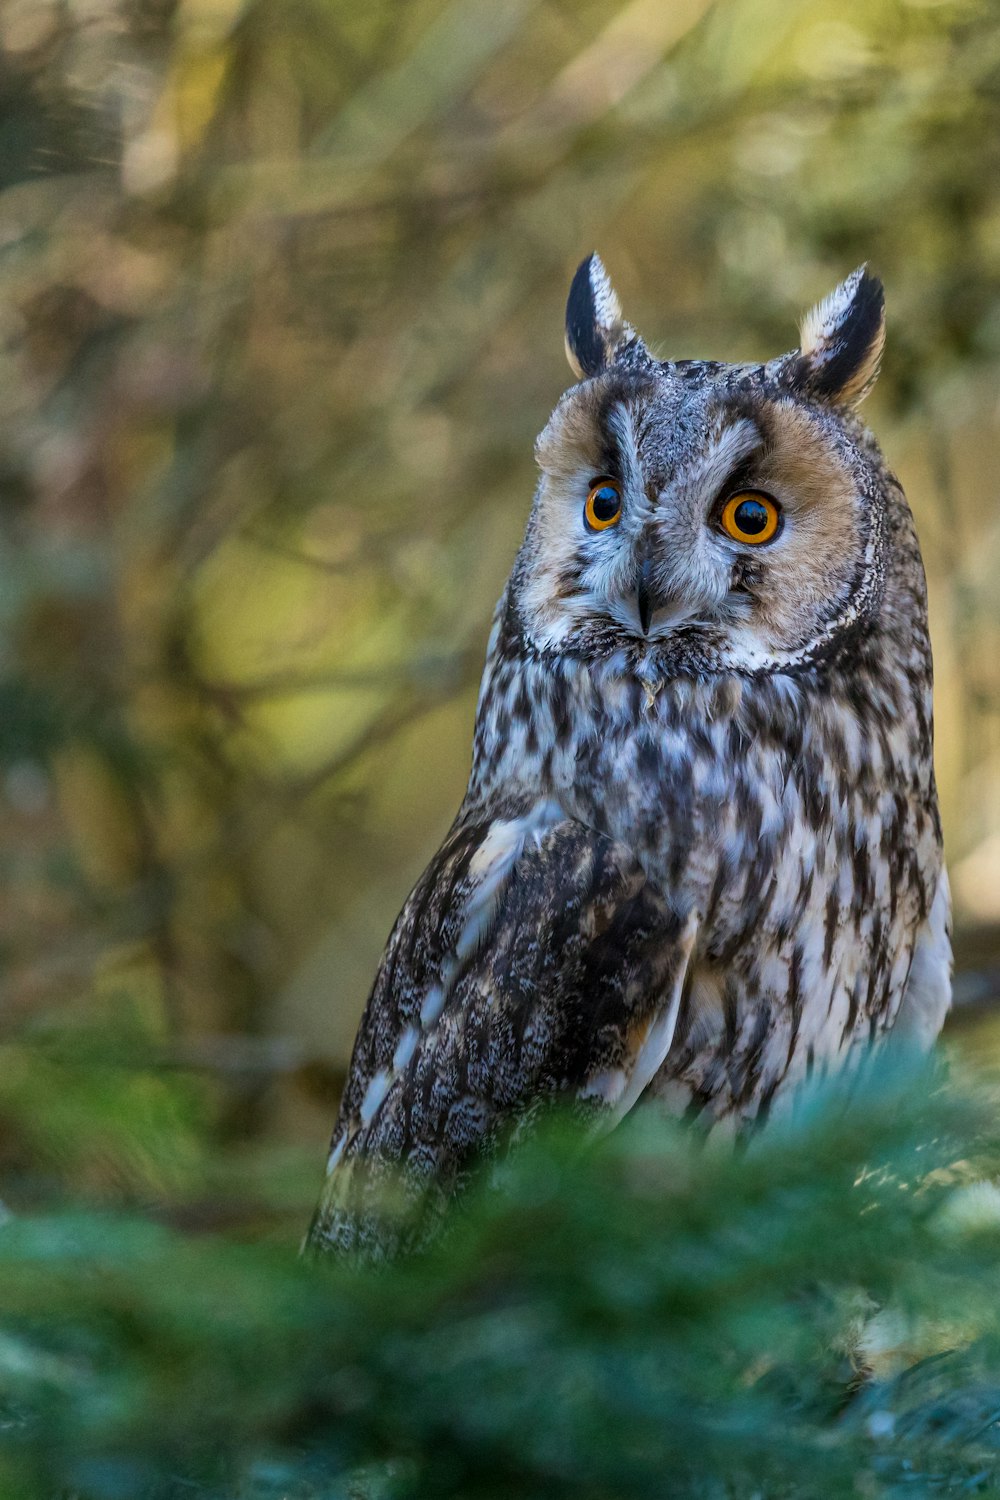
x,y
700,855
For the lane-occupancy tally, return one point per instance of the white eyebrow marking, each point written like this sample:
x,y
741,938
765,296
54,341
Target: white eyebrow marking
x,y
722,454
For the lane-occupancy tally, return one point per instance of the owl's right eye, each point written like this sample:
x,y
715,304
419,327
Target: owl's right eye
x,y
752,517
604,505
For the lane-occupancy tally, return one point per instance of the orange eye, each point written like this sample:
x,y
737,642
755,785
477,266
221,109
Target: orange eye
x,y
604,505
751,517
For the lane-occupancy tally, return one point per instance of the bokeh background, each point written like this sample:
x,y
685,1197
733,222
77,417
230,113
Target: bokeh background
x,y
281,298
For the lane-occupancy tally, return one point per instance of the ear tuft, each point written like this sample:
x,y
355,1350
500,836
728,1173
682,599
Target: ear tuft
x,y
595,327
841,341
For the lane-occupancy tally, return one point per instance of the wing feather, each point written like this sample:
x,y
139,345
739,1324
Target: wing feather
x,y
531,962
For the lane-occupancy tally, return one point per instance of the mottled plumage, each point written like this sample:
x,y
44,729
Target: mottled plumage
x,y
700,854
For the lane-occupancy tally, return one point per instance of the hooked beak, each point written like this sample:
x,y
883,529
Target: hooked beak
x,y
645,595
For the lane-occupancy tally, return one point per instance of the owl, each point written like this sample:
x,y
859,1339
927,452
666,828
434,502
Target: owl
x,y
699,858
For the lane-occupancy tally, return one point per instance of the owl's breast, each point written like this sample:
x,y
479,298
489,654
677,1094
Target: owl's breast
x,y
805,841
796,820
675,778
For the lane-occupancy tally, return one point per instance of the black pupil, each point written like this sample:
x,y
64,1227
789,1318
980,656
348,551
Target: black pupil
x,y
751,517
605,503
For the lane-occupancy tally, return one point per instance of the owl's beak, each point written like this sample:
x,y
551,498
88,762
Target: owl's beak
x,y
645,594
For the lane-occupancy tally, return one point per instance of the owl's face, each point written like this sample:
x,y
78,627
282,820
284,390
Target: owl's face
x,y
726,515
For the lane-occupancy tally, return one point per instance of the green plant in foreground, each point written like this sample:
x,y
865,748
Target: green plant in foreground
x,y
813,1314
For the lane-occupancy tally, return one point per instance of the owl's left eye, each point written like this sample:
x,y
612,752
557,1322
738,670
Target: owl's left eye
x,y
750,516
604,505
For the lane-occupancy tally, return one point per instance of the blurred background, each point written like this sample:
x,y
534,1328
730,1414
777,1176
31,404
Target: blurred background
x,y
281,298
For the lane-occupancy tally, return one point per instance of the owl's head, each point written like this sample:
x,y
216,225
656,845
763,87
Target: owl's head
x,y
730,517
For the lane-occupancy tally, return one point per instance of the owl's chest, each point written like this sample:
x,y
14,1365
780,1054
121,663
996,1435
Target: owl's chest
x,y
693,798
809,851
751,803
793,819
797,822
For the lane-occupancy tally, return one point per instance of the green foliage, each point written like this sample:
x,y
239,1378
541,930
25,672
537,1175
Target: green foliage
x,y
810,1315
95,1113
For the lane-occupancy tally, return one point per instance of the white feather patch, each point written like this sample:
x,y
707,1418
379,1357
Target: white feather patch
x,y
606,1086
656,1044
378,1087
607,308
432,1006
927,996
821,326
405,1048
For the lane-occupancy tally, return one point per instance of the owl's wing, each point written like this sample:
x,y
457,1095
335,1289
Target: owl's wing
x,y
531,961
